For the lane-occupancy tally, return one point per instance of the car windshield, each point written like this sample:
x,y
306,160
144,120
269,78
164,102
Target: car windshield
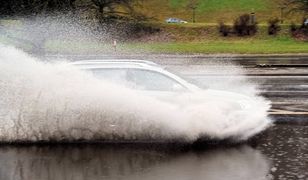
x,y
188,79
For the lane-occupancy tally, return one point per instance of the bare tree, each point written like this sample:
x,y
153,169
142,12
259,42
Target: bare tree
x,y
103,10
115,10
193,5
299,6
34,7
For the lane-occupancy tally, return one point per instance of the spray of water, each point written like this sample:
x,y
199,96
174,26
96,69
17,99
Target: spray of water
x,y
57,102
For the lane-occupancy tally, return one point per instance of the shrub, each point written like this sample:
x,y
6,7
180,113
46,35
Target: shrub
x,y
245,25
130,30
293,27
224,29
299,32
144,28
304,27
273,26
305,30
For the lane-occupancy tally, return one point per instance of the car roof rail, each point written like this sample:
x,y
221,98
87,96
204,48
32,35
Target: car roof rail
x,y
103,61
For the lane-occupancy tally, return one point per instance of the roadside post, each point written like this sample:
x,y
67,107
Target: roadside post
x,y
252,18
114,45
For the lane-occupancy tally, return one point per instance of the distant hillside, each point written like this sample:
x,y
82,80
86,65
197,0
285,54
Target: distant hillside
x,y
212,11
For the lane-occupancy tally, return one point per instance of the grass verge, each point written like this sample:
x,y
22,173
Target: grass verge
x,y
277,45
266,46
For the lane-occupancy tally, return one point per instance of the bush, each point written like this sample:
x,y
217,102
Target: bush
x,y
273,26
304,27
293,27
129,30
245,26
224,29
143,28
305,30
299,32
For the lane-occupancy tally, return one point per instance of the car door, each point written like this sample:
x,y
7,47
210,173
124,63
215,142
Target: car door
x,y
155,84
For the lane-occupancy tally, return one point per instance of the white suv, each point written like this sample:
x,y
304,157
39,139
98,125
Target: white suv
x,y
243,116
155,81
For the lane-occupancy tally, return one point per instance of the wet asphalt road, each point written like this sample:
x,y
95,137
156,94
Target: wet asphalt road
x,y
281,152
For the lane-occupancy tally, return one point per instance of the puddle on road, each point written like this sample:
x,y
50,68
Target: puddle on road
x,y
130,163
280,153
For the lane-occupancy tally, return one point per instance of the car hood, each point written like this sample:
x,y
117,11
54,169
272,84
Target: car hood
x,y
220,98
217,95
225,95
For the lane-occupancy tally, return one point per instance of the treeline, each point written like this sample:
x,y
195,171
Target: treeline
x,y
99,20
34,7
246,24
103,10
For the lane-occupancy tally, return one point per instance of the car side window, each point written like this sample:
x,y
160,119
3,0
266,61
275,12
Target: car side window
x,y
153,81
110,74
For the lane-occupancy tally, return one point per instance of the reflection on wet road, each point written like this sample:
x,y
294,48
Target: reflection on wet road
x,y
128,163
109,162
279,153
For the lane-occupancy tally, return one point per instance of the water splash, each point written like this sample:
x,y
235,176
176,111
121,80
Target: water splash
x,y
57,102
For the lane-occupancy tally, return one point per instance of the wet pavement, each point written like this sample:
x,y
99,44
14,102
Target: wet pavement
x,y
281,152
286,146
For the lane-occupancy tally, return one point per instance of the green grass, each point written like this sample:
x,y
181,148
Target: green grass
x,y
174,4
223,5
213,11
275,45
253,46
191,39
78,47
